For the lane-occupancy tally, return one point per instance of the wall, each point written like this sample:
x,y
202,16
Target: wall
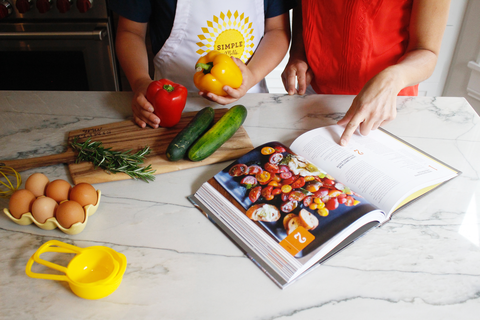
x,y
435,85
467,50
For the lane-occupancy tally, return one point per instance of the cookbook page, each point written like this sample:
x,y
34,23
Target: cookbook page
x,y
380,167
280,192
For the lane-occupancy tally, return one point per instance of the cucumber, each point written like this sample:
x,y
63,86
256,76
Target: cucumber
x,y
217,135
177,149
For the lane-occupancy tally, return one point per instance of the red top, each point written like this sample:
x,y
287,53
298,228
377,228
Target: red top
x,y
349,41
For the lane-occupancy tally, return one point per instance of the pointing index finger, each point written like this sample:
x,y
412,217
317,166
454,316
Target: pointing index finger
x,y
348,132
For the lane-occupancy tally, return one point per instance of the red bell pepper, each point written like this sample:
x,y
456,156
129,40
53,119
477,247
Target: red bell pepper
x,y
168,99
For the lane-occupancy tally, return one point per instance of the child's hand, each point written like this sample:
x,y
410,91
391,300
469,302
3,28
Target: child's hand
x,y
233,94
142,109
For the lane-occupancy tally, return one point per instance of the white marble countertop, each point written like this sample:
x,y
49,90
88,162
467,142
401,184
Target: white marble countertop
x,y
423,264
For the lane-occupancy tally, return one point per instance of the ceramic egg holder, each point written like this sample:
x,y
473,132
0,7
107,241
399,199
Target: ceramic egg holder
x,y
52,223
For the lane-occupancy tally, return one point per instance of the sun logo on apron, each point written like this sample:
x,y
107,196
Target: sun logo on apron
x,y
228,33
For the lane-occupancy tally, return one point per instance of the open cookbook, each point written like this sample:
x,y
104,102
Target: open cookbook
x,y
290,208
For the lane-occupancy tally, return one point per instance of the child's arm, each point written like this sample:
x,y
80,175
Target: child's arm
x,y
269,54
132,55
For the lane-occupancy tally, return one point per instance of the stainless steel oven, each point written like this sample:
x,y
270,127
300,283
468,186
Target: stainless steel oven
x,y
57,45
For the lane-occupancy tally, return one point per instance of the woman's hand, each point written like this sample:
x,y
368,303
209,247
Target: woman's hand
x,y
142,109
373,107
296,70
233,94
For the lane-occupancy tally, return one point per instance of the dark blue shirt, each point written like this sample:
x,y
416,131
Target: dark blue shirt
x,y
160,28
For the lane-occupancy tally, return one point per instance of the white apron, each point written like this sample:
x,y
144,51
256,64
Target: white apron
x,y
232,27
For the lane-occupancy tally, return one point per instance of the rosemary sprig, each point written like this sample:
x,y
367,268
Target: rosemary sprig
x,y
114,161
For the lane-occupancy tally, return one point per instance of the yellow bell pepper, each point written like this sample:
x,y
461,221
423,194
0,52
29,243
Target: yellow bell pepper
x,y
216,70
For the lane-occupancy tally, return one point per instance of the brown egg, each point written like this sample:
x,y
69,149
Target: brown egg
x,y
58,190
84,193
44,208
37,183
21,202
68,213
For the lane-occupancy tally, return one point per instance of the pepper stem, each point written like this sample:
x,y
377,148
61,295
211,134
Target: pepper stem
x,y
168,87
206,67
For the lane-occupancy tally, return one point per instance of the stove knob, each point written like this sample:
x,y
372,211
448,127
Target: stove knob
x,y
5,9
64,5
23,5
84,5
44,5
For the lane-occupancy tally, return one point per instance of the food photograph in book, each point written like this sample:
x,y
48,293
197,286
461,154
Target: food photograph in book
x,y
281,191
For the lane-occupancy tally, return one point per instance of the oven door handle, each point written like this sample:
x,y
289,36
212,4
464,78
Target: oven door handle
x,y
97,34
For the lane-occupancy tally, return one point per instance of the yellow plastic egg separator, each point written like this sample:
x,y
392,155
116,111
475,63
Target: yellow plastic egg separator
x,y
93,272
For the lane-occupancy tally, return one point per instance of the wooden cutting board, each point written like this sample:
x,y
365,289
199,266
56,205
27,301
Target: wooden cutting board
x,y
126,135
